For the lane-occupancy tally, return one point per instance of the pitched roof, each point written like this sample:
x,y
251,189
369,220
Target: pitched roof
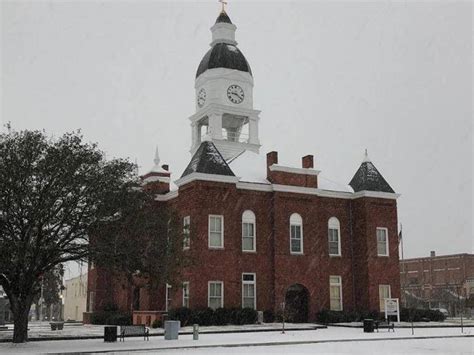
x,y
368,178
208,160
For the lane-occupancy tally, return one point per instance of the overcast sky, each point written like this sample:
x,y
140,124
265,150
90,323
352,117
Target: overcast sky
x,y
331,79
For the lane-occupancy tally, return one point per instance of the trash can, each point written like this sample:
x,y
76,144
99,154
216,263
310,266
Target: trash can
x,y
259,317
110,333
368,325
172,329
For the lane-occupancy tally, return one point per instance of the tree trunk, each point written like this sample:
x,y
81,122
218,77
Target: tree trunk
x,y
20,321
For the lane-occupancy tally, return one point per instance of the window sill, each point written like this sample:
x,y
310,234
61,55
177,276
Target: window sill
x,y
216,248
292,253
383,256
249,251
335,255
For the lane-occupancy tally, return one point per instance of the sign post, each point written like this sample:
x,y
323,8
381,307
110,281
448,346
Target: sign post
x,y
392,308
283,306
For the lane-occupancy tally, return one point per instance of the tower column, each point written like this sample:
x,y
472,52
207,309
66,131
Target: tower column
x,y
215,125
253,130
195,134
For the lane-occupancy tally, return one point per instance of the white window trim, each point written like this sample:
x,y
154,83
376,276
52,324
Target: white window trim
x,y
254,283
340,290
389,295
386,244
339,239
254,222
167,297
302,236
209,292
188,219
185,283
209,231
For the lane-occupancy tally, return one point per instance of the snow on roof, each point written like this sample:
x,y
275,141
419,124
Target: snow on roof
x,y
250,167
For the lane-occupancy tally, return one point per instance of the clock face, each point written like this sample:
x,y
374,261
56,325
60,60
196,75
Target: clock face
x,y
201,98
235,94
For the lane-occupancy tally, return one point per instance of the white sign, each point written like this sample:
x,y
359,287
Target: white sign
x,y
392,308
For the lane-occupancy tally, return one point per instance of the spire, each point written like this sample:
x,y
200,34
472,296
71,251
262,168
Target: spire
x,y
366,157
157,168
157,157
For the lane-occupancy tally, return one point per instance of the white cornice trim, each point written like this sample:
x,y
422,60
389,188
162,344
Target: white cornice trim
x,y
220,109
283,188
289,169
169,196
206,177
376,194
156,178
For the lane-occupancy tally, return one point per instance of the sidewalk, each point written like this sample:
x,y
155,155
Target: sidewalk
x,y
41,331
294,337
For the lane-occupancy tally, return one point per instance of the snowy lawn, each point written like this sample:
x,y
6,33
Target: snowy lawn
x,y
297,339
418,346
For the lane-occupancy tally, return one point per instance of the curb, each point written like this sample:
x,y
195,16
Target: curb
x,y
302,342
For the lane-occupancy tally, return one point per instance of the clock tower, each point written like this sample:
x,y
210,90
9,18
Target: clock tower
x,y
224,96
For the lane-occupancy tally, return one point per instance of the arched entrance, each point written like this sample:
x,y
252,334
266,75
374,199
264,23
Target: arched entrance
x,y
297,304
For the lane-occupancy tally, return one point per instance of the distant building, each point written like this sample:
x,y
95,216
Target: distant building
x,y
75,298
445,281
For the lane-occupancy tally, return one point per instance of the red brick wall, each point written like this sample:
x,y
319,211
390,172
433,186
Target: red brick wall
x,y
276,269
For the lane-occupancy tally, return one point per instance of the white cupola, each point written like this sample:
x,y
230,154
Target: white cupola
x,y
224,96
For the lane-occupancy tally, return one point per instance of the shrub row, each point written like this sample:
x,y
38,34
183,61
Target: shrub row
x,y
327,316
406,315
111,318
418,315
208,316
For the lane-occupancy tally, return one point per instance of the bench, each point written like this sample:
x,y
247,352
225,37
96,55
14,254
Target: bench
x,y
384,324
130,330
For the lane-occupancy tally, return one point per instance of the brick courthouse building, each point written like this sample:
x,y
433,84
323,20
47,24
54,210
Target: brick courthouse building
x,y
264,233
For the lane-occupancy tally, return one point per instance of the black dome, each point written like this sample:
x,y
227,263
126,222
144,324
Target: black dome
x,y
224,55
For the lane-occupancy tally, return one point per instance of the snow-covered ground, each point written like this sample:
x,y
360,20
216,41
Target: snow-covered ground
x,y
330,340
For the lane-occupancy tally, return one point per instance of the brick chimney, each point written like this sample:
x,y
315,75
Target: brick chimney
x,y
307,162
272,158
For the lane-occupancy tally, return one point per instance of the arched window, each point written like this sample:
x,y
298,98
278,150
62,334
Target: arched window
x,y
334,236
248,231
296,234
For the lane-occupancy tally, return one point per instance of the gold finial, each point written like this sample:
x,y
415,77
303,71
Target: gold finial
x,y
224,3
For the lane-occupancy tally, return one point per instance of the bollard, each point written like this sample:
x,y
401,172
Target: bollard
x,y
195,331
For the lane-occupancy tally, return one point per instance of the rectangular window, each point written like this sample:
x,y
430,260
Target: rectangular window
x,y
295,239
186,232
216,294
248,236
216,231
334,246
382,242
335,293
384,292
249,299
91,301
186,294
